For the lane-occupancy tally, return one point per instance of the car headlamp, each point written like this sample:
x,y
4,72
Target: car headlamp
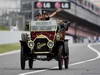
x,y
58,36
30,44
50,44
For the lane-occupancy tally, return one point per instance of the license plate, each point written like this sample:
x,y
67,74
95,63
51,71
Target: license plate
x,y
41,56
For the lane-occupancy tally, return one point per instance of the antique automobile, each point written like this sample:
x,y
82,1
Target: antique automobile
x,y
44,42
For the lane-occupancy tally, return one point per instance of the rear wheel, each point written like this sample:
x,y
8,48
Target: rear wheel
x,y
22,59
60,59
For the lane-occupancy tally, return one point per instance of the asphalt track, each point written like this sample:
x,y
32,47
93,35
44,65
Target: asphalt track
x,y
84,60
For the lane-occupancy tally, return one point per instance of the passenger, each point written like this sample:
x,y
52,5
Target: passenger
x,y
64,25
47,16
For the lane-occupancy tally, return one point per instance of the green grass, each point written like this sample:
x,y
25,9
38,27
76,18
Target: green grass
x,y
9,47
3,28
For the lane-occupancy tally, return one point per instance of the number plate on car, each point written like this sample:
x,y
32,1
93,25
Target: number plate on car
x,y
41,56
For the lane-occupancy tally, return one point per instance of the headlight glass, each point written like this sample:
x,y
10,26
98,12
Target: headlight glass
x,y
58,36
50,44
30,44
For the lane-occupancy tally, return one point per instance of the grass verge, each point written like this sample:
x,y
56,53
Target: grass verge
x,y
2,28
9,47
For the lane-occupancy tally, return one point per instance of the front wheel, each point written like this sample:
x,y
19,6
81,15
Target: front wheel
x,y
30,63
60,63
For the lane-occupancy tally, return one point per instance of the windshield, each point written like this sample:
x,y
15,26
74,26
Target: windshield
x,y
43,25
43,28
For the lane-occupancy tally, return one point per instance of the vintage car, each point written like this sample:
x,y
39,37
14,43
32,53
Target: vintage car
x,y
45,42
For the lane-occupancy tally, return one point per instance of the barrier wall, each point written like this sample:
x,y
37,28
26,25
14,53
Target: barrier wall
x,y
10,36
15,36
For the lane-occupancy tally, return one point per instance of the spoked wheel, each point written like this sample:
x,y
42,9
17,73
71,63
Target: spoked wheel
x,y
60,63
30,63
22,59
66,62
60,59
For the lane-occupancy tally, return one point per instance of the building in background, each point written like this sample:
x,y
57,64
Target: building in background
x,y
10,14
